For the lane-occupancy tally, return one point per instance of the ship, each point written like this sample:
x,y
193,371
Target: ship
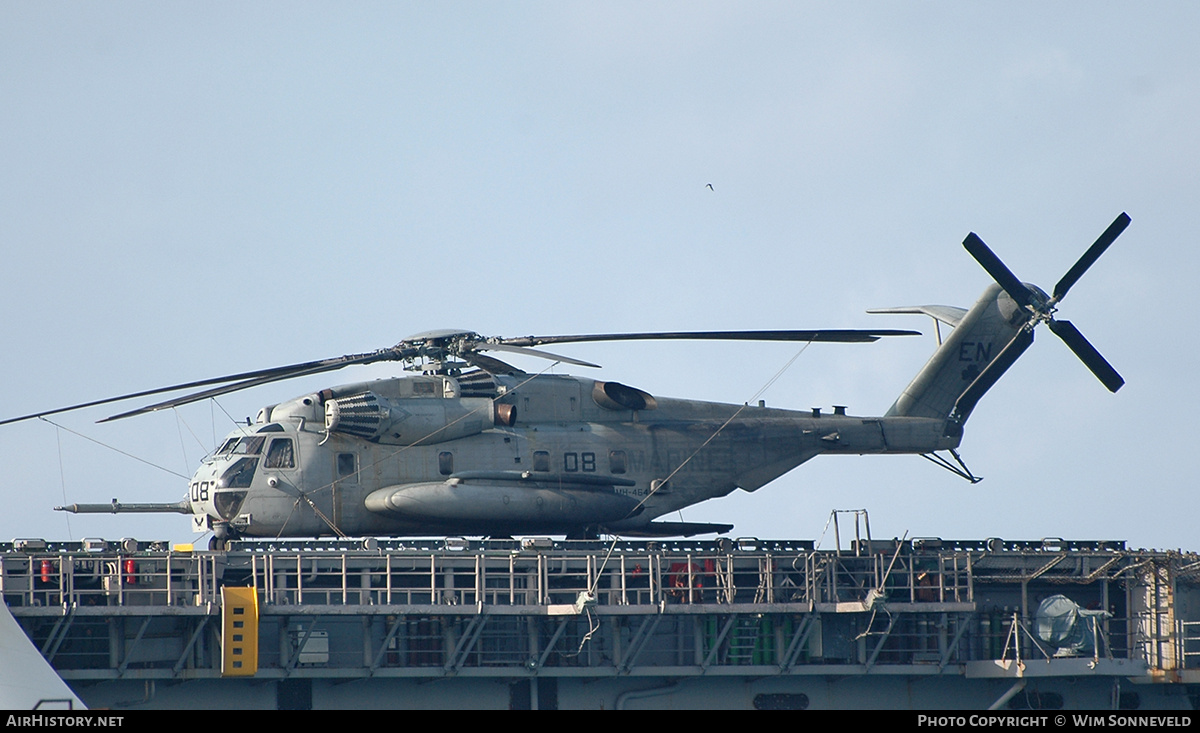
x,y
539,623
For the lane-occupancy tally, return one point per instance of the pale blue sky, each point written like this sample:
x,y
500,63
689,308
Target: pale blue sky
x,y
194,189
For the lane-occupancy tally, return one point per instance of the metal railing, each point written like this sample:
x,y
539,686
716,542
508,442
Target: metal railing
x,y
88,580
729,603
634,575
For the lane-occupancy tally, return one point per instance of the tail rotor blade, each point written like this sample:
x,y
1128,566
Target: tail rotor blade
x,y
1087,353
998,270
1089,258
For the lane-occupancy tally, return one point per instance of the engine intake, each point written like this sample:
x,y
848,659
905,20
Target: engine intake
x,y
617,396
408,421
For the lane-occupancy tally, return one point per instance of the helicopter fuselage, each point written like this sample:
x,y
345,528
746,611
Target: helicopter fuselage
x,y
504,454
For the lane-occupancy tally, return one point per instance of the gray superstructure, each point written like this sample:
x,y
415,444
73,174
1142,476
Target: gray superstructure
x,y
731,623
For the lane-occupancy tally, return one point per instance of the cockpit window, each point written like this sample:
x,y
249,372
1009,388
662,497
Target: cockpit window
x,y
280,454
249,446
239,475
225,449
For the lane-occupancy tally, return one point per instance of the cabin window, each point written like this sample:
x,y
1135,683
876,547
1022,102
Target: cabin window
x,y
445,463
541,460
617,462
281,454
347,465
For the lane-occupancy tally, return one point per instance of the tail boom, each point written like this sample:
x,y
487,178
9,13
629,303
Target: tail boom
x,y
987,341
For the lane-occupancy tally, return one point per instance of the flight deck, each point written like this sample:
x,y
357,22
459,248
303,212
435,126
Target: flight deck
x,y
540,623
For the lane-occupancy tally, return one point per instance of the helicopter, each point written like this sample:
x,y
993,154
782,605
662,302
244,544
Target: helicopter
x,y
471,445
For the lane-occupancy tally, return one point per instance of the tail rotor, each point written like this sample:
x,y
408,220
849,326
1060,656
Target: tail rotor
x,y
1041,308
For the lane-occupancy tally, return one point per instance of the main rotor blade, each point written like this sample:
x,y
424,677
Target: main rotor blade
x,y
252,378
93,403
512,349
196,397
998,270
273,375
825,335
1089,258
489,364
1087,353
144,393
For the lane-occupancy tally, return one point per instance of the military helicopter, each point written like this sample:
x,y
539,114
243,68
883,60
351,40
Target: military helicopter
x,y
470,445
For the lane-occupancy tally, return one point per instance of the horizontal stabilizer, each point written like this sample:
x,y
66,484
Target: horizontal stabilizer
x,y
948,314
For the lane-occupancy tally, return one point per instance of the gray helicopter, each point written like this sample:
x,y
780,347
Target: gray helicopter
x,y
470,445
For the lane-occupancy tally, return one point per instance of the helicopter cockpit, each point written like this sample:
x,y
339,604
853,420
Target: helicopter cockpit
x,y
234,466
